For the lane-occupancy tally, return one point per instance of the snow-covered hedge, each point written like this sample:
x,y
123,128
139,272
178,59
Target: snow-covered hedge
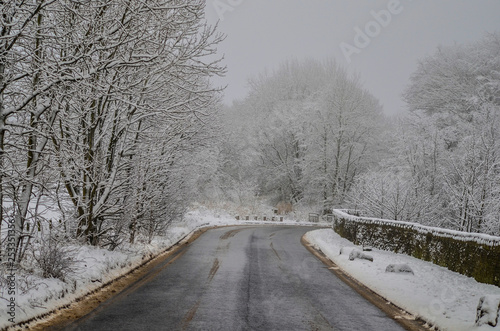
x,y
471,254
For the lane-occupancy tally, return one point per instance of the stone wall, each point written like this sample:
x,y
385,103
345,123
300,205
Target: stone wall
x,y
473,255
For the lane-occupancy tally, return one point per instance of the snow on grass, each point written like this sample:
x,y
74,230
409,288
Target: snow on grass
x,y
92,268
439,296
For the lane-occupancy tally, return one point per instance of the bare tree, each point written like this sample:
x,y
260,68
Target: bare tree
x,y
82,83
457,91
315,130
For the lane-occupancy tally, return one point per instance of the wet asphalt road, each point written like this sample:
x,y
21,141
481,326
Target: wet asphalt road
x,y
240,278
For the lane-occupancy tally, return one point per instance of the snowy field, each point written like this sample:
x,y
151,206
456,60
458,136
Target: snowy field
x,y
441,297
95,267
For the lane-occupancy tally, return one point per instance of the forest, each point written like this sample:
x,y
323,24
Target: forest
x,y
310,135
104,106
110,129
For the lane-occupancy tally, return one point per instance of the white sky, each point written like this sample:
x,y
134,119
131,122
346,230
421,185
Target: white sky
x,y
261,34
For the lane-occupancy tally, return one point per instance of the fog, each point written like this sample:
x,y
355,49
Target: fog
x,y
261,34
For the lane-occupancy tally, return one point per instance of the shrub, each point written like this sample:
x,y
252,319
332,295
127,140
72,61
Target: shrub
x,y
54,260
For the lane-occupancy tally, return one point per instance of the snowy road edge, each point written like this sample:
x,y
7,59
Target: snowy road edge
x,y
401,316
33,321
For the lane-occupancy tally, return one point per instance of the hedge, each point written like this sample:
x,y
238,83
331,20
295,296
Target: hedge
x,y
471,254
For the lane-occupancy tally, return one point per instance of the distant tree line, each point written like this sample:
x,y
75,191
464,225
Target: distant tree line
x,y
309,134
303,135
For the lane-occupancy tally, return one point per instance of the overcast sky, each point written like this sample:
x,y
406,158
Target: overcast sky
x,y
261,34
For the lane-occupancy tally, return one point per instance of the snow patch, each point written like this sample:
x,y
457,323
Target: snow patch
x,y
487,310
356,254
399,268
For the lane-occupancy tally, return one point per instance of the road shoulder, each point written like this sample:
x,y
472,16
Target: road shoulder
x,y
63,316
405,319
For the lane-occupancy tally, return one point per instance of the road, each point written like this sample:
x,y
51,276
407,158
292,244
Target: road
x,y
240,278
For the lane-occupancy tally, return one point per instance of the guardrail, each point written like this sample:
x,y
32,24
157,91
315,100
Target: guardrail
x,y
259,218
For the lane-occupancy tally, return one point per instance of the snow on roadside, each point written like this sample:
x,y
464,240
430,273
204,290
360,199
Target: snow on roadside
x,y
437,295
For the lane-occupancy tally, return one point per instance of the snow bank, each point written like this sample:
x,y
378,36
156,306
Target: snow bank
x,y
439,296
93,267
357,254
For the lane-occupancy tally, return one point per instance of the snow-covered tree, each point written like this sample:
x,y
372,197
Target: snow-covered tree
x,y
313,130
457,90
87,87
347,121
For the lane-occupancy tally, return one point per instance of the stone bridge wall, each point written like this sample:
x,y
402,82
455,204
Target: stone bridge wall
x,y
471,254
